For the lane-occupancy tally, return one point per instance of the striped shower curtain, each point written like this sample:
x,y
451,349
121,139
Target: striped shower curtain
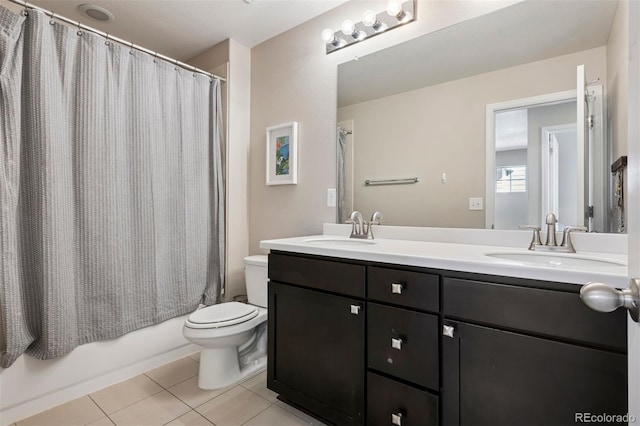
x,y
111,189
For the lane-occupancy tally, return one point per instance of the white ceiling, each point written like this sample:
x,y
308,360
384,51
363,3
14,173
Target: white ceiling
x,y
184,28
525,32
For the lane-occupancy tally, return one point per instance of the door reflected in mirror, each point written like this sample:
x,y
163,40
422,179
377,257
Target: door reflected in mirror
x,y
543,136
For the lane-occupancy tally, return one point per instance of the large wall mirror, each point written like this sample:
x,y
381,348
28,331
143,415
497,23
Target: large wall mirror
x,y
490,123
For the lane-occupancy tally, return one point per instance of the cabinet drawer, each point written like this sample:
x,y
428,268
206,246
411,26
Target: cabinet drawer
x,y
546,312
387,400
403,344
405,288
337,277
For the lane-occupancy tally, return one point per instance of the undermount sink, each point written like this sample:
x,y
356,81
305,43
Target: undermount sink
x,y
339,241
558,260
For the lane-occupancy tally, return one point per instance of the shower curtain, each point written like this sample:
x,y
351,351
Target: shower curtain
x,y
111,189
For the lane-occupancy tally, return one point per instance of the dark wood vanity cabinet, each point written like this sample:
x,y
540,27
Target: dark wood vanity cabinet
x,y
316,340
356,342
528,356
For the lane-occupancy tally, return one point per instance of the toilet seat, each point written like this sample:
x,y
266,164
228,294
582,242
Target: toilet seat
x,y
222,315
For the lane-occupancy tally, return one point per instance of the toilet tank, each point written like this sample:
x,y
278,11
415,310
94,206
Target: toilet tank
x,y
256,278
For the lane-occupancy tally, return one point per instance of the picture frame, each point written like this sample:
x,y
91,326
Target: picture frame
x,y
282,154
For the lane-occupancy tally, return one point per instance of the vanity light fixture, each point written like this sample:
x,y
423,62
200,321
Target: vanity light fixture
x,y
349,29
394,8
370,19
330,38
397,13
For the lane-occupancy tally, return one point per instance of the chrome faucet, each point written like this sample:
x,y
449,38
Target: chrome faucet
x,y
360,228
551,244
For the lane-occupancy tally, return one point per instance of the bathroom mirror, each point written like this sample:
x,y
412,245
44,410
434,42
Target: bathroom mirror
x,y
416,118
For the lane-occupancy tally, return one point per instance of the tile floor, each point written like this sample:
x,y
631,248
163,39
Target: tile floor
x,y
169,395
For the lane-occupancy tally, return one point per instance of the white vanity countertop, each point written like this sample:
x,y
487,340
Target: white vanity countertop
x,y
460,257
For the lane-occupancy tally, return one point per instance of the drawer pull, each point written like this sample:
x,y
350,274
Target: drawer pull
x,y
396,419
355,309
448,330
396,344
396,288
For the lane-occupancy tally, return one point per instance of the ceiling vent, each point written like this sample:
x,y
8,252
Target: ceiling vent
x,y
96,13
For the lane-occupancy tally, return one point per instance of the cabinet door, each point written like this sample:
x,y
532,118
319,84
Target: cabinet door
x,y
316,352
502,378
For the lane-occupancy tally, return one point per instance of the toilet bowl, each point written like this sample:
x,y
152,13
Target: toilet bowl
x,y
232,334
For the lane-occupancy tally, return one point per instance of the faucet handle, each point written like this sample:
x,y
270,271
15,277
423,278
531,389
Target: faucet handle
x,y
566,237
535,240
376,218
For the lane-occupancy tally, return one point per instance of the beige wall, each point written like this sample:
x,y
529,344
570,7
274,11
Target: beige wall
x,y
618,80
237,93
441,129
292,79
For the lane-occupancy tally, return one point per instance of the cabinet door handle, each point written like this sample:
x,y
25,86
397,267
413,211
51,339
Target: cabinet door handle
x,y
396,288
448,330
396,344
355,309
396,419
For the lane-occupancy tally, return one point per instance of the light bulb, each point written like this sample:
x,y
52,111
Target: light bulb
x,y
348,28
394,8
327,35
369,18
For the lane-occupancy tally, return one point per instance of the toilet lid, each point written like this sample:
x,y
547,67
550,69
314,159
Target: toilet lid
x,y
223,314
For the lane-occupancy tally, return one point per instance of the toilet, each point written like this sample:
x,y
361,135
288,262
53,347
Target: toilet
x,y
233,334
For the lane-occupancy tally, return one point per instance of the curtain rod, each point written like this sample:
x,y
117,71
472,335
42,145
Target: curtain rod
x,y
117,39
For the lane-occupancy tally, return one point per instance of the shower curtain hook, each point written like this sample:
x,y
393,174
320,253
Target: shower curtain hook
x,y
176,64
131,46
107,42
155,57
53,17
79,29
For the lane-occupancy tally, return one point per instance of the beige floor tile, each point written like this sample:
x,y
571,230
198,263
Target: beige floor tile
x,y
258,384
251,376
189,392
233,407
174,372
80,411
121,395
156,410
192,418
304,416
105,421
195,356
276,416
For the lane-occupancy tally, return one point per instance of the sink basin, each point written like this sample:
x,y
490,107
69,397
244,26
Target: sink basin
x,y
558,260
339,241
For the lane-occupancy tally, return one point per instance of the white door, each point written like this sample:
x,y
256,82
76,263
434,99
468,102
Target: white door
x,y
581,137
633,216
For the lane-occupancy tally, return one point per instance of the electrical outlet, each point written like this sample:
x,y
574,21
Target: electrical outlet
x,y
475,203
331,197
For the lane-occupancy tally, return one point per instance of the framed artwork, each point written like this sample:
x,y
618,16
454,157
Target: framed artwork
x,y
282,154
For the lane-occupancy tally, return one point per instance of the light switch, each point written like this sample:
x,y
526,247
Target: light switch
x,y
475,203
331,197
